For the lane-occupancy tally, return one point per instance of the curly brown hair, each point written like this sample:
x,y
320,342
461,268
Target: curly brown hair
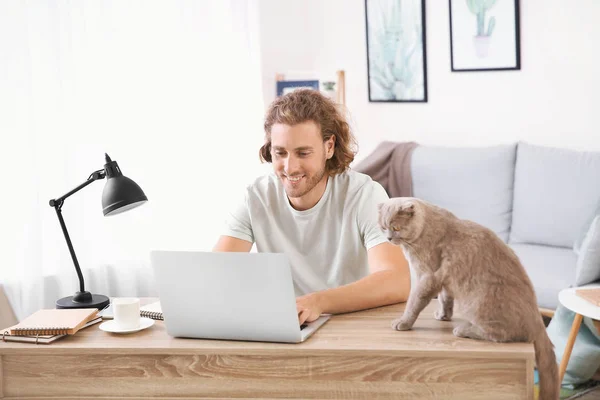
x,y
304,105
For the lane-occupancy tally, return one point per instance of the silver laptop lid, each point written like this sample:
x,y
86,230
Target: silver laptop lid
x,y
236,296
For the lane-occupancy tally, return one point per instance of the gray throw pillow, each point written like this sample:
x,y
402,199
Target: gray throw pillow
x,y
588,261
584,231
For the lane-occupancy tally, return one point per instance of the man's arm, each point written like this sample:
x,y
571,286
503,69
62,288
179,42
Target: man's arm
x,y
387,283
231,244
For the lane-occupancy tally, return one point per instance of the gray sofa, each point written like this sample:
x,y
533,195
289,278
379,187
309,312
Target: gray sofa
x,y
537,199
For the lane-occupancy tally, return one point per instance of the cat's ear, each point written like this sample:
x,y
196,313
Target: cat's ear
x,y
409,207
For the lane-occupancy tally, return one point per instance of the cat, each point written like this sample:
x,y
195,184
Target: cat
x,y
466,264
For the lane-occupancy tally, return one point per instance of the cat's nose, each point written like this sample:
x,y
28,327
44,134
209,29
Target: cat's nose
x,y
389,238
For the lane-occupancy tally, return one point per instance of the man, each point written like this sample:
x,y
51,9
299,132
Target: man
x,y
322,215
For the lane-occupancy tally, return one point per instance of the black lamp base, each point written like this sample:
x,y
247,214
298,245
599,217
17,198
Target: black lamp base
x,y
87,301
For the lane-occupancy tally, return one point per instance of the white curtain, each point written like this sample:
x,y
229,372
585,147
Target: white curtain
x,y
169,89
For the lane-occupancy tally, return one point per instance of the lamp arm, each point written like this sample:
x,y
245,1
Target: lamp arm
x,y
57,204
100,174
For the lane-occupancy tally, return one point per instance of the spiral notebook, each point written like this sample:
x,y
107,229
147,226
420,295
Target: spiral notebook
x,y
151,310
54,322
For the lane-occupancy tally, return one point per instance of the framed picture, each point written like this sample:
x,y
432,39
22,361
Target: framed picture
x,y
396,50
285,87
484,35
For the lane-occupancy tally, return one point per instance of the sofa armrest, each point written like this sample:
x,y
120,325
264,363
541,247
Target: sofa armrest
x,y
7,316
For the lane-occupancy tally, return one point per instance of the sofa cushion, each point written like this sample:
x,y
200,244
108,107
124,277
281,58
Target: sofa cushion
x,y
473,183
556,190
550,269
588,259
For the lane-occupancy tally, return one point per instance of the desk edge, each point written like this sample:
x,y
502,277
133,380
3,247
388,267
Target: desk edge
x,y
46,350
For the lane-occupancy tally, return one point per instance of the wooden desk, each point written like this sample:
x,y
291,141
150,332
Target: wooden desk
x,y
354,356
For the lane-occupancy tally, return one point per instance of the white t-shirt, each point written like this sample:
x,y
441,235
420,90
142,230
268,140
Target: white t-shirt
x,y
327,244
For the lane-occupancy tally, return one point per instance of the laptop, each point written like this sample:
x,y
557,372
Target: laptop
x,y
229,296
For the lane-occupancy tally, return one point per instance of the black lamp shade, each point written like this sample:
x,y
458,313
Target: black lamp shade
x,y
121,194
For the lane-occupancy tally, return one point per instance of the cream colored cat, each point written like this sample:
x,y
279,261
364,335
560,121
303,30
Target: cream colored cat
x,y
466,264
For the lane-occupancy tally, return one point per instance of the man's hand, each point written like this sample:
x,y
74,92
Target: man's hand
x,y
387,283
309,307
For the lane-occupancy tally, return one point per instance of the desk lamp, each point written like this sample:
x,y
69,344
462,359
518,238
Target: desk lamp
x,y
120,194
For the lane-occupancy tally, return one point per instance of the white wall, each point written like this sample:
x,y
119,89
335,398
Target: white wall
x,y
170,90
552,100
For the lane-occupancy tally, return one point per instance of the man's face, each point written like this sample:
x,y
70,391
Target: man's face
x,y
299,155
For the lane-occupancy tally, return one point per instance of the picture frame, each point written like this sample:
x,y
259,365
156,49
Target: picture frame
x,y
484,35
284,87
396,50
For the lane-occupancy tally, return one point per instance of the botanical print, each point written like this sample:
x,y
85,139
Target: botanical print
x,y
481,40
484,35
396,50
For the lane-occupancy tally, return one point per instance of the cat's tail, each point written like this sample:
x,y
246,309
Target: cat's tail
x,y
547,367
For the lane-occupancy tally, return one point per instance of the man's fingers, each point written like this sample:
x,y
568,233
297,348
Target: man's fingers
x,y
309,319
303,316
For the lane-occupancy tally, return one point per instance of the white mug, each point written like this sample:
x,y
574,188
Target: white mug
x,y
126,312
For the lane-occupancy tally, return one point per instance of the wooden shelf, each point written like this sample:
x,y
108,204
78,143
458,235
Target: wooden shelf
x,y
340,85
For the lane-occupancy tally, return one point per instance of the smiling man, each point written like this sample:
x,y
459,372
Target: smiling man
x,y
318,212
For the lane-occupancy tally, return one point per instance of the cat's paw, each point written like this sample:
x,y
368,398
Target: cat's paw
x,y
441,316
467,330
400,325
459,331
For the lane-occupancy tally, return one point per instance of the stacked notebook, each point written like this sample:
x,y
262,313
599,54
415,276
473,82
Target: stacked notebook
x,y
46,326
591,295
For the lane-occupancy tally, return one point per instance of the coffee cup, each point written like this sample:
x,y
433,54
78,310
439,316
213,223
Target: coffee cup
x,y
126,312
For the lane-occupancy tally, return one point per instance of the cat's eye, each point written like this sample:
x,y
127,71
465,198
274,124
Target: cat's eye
x,y
395,229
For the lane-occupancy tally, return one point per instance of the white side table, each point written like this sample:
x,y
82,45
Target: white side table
x,y
581,308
